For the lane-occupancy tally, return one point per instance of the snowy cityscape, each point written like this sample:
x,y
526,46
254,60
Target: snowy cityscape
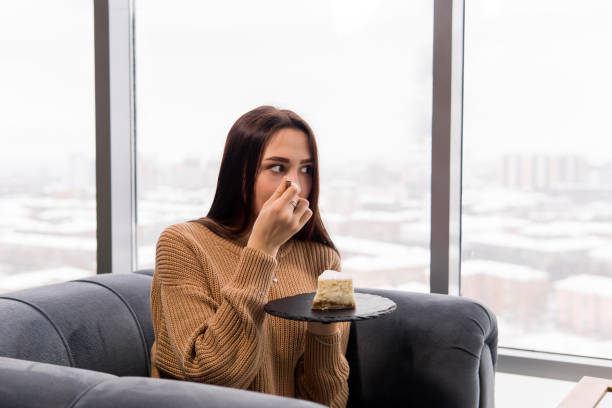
x,y
537,240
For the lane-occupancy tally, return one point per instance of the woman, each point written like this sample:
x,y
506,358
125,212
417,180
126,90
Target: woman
x,y
262,239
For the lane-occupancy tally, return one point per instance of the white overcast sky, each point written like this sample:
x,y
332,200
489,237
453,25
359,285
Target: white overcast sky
x,y
536,75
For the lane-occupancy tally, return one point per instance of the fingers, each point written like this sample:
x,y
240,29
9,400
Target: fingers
x,y
302,212
290,194
285,193
302,203
305,217
291,188
286,190
282,187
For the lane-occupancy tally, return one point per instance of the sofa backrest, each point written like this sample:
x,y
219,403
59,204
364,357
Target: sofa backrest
x,y
100,323
432,351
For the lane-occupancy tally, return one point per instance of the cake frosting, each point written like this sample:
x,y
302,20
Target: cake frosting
x,y
334,291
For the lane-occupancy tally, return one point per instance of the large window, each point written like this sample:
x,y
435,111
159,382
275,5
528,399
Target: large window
x,y
537,218
358,71
47,167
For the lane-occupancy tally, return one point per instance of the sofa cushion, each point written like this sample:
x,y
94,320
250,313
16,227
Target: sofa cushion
x,y
137,392
27,384
95,323
28,333
134,290
31,384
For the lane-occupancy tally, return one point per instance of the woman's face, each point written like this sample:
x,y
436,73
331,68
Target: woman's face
x,y
287,154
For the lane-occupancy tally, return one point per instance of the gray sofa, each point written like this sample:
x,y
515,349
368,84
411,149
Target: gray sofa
x,y
86,343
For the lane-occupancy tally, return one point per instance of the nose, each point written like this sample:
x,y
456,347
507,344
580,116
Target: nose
x,y
295,180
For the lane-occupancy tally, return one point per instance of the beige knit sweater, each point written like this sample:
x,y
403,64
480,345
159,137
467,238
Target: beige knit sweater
x,y
207,303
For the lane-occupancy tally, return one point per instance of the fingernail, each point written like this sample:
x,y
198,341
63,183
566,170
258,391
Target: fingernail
x,y
287,184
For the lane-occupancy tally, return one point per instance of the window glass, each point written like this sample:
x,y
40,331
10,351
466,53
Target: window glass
x,y
358,71
47,159
537,182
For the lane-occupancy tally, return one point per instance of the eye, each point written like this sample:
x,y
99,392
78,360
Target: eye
x,y
307,169
280,166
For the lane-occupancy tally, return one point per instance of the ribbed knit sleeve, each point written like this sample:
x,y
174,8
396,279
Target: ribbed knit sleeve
x,y
217,343
322,372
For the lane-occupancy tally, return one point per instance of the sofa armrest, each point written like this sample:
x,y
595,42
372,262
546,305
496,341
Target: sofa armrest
x,y
27,384
433,350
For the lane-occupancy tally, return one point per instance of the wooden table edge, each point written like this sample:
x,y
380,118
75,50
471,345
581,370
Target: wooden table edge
x,y
587,393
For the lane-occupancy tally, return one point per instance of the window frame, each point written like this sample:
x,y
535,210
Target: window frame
x,y
115,141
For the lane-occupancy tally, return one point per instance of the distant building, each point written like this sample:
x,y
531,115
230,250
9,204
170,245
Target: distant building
x,y
339,197
378,264
539,171
374,225
518,293
560,256
583,304
27,252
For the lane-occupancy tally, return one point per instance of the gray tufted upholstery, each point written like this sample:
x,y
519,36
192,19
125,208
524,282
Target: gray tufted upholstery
x,y
433,351
102,323
88,341
29,384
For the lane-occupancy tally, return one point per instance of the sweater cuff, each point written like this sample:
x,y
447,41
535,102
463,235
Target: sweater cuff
x,y
323,352
255,270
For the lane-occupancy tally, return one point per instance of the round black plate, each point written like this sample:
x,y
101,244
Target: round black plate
x,y
299,307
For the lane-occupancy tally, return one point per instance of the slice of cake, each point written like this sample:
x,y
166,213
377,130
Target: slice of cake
x,y
334,291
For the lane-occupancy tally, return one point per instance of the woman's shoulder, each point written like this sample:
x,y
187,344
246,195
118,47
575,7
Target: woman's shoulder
x,y
178,231
195,234
186,232
183,255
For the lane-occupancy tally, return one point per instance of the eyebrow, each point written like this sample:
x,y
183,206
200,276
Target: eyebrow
x,y
284,160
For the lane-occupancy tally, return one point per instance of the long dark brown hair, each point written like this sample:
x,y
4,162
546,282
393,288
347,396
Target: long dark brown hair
x,y
232,212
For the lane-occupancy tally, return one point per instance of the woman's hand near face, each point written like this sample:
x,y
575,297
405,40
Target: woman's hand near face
x,y
277,221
